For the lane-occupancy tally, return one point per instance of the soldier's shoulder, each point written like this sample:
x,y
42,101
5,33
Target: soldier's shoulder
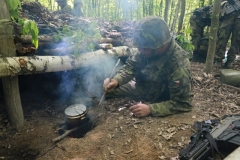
x,y
179,54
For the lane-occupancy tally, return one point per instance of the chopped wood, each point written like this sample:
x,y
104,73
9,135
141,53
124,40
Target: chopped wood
x,y
105,46
41,38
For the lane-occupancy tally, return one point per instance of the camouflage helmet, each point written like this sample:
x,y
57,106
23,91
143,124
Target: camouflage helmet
x,y
151,32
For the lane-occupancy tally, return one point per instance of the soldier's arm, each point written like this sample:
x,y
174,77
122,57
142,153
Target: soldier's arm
x,y
180,87
127,72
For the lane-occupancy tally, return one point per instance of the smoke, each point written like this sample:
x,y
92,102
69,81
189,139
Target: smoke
x,y
87,82
94,75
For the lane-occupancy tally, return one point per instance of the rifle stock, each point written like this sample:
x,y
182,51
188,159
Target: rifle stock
x,y
221,133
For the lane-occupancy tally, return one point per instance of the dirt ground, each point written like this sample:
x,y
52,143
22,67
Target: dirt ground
x,y
114,134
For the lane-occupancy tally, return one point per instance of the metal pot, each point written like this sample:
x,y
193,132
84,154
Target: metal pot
x,y
75,115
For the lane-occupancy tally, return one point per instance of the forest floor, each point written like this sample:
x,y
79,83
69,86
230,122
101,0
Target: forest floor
x,y
115,134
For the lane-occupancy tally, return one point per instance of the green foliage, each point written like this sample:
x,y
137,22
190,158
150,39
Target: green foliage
x,y
184,42
13,6
89,35
56,38
28,26
28,0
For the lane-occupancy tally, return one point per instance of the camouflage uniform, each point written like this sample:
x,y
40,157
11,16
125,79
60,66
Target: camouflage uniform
x,y
163,80
77,9
230,24
198,21
64,6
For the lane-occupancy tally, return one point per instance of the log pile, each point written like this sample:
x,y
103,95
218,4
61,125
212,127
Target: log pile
x,y
50,23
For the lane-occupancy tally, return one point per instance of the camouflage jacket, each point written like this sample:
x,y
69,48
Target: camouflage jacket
x,y
77,12
202,16
166,80
66,8
229,7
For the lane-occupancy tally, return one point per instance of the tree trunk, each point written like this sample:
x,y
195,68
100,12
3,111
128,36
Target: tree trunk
x,y
172,6
210,2
213,36
12,66
143,8
181,17
160,8
167,2
175,17
201,3
10,84
150,7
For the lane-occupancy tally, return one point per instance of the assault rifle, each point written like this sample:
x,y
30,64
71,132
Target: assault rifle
x,y
211,136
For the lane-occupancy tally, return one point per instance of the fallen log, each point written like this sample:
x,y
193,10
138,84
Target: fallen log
x,y
41,38
47,42
114,42
12,66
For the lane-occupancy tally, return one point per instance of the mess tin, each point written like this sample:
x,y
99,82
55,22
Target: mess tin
x,y
75,115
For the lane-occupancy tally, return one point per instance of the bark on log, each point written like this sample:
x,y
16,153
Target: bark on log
x,y
41,38
12,66
47,41
10,84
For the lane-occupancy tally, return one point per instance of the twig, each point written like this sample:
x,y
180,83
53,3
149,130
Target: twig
x,y
109,81
66,133
49,149
236,88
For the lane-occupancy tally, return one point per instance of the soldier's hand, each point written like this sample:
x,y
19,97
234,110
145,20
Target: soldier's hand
x,y
140,110
109,85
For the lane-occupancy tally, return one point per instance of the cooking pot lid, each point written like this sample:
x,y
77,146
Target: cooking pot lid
x,y
75,110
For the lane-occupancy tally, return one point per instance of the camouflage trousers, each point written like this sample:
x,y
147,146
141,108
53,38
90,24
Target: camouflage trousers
x,y
197,32
229,26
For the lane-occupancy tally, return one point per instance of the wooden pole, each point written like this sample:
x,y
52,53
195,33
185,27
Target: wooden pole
x,y
10,84
12,66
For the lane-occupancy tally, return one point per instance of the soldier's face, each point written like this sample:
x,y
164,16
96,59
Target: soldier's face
x,y
146,52
149,53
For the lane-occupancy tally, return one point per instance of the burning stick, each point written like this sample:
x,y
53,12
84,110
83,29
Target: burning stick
x,y
109,81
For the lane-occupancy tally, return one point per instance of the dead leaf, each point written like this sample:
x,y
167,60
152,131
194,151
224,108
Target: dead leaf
x,y
162,157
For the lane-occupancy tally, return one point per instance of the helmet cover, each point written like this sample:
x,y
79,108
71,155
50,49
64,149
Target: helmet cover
x,y
151,32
